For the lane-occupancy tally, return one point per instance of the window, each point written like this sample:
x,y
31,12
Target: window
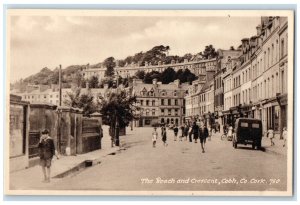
x,y
169,101
153,112
176,111
153,102
162,102
272,54
162,111
244,124
142,102
169,112
255,125
147,102
175,93
282,48
176,102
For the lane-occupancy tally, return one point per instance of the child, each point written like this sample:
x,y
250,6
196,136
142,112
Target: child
x,y
271,136
154,136
46,152
284,136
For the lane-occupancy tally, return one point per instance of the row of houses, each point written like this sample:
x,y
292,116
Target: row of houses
x,y
249,82
196,66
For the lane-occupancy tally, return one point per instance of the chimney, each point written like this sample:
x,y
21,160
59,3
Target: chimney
x,y
258,30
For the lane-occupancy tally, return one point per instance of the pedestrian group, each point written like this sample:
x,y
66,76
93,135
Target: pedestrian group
x,y
188,130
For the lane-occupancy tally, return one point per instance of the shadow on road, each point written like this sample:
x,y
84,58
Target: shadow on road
x,y
250,148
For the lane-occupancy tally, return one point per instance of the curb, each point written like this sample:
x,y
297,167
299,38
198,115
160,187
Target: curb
x,y
83,165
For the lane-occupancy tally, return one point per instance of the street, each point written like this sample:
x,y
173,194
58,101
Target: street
x,y
180,166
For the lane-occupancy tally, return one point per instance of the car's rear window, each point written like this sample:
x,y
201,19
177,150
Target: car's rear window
x,y
255,125
244,124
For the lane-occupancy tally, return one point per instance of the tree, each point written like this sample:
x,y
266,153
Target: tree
x,y
168,75
83,101
78,79
122,63
94,82
110,64
140,74
117,109
232,48
209,52
188,56
150,76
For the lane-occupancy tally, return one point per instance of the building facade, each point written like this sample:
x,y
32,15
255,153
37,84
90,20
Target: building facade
x,y
257,85
159,103
195,66
50,95
200,97
224,61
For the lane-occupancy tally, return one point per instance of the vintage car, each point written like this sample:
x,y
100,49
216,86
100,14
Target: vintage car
x,y
247,131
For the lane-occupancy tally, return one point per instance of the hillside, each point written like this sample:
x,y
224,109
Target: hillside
x,y
153,56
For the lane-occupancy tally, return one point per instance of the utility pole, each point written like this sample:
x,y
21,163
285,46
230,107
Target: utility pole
x,y
117,128
59,84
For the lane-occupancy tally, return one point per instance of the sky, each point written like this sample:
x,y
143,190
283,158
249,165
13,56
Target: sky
x,y
48,41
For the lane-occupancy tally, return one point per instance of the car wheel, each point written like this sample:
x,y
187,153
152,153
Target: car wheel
x,y
253,145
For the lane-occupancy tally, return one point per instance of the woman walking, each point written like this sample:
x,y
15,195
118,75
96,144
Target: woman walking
x,y
154,137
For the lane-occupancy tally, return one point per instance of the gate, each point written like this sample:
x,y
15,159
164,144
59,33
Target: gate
x,y
91,139
34,139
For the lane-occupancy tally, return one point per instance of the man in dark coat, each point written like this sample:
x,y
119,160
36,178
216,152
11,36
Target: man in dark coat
x,y
46,152
203,134
195,131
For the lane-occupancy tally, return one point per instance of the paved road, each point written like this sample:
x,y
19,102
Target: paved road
x,y
180,166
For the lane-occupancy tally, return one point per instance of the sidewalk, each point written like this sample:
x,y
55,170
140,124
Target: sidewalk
x,y
266,144
277,148
32,177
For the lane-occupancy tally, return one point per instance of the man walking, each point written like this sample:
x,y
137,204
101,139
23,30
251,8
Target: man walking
x,y
190,132
164,136
46,151
195,131
186,131
175,132
203,134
